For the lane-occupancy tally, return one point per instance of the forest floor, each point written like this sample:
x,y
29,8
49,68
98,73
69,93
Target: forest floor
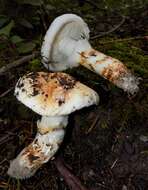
x,y
106,146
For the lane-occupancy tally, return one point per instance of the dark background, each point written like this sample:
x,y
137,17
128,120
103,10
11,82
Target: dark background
x,y
110,154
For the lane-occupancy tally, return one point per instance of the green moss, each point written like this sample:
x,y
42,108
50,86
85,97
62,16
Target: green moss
x,y
128,51
35,65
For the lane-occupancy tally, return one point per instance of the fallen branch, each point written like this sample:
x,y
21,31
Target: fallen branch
x,y
124,39
72,181
6,92
95,5
8,136
17,62
110,31
93,124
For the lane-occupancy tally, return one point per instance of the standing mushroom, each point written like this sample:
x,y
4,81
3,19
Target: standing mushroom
x,y
66,45
53,96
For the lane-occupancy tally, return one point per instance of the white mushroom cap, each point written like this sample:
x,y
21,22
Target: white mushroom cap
x,y
54,94
66,37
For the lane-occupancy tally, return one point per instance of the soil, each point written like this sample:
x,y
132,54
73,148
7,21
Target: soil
x,y
106,146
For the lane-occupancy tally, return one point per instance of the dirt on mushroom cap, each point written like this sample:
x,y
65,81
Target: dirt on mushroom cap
x,y
54,93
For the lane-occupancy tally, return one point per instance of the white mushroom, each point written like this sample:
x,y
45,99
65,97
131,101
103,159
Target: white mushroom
x,y
53,96
66,45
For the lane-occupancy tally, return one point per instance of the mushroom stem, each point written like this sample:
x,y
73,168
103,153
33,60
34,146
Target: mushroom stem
x,y
109,68
49,136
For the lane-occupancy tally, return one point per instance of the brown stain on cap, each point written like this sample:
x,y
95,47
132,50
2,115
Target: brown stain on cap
x,y
47,86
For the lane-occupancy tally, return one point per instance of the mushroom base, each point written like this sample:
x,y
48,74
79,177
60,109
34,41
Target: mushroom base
x,y
43,148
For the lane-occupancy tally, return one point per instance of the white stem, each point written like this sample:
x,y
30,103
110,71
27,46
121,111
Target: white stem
x,y
49,136
109,68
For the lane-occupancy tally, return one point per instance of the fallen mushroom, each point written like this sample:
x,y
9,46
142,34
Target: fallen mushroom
x,y
53,96
66,45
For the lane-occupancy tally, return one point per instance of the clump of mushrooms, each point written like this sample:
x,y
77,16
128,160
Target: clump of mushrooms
x,y
66,45
53,96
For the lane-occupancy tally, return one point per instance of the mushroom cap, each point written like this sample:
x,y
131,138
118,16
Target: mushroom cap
x,y
53,94
67,35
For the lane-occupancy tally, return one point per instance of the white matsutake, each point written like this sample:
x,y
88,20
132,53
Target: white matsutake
x,y
66,45
53,96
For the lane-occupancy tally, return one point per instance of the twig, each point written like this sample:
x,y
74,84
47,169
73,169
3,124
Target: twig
x,y
102,185
93,124
5,139
17,62
7,136
124,39
114,163
72,181
4,160
94,5
110,31
43,10
6,92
